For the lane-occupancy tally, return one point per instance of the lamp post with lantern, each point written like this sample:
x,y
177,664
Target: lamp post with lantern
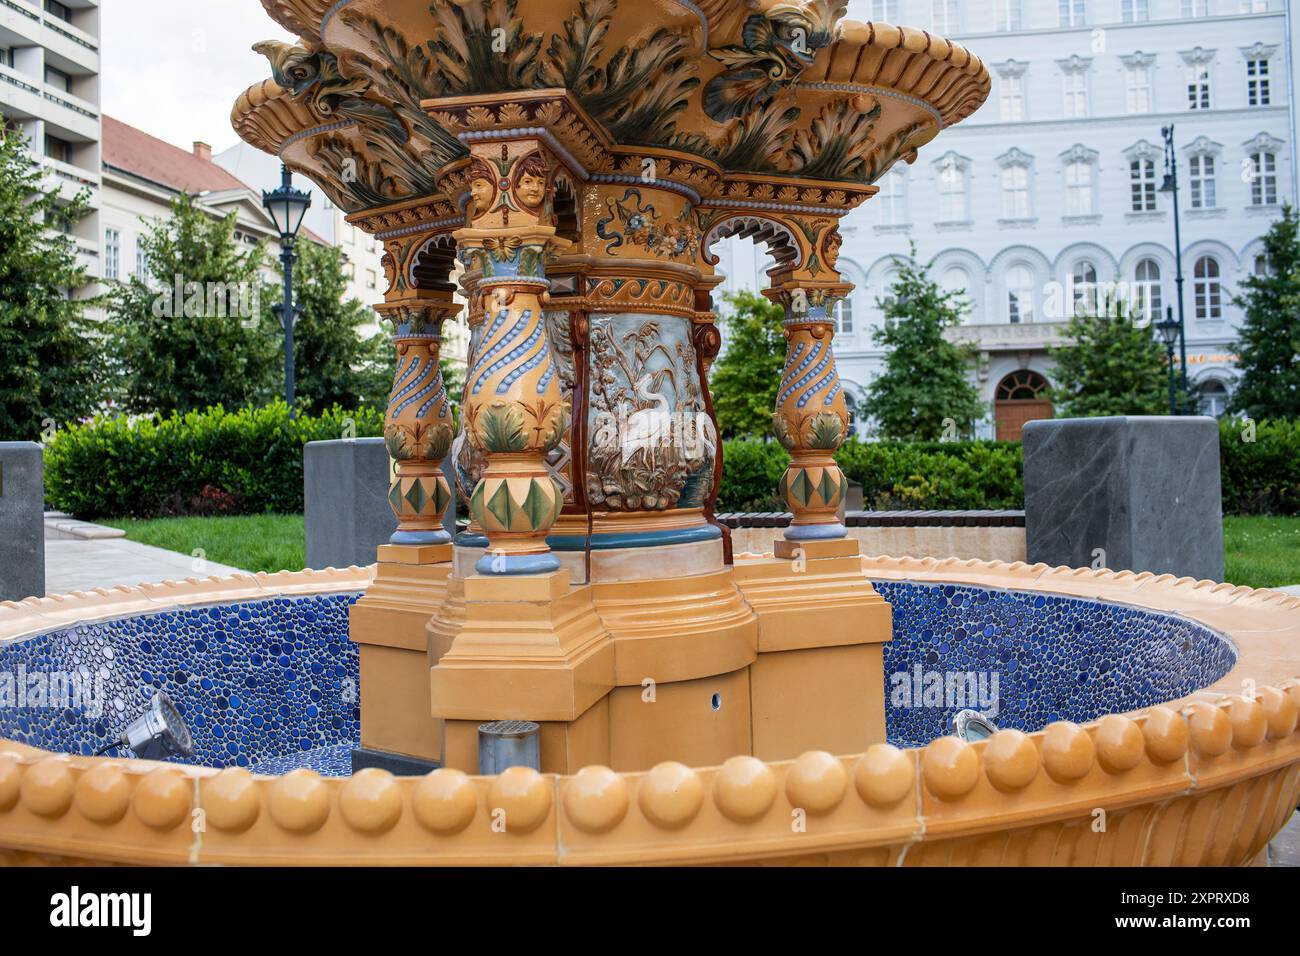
x,y
288,207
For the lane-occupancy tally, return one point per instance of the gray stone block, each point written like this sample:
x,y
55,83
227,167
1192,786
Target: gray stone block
x,y
1137,494
22,521
347,510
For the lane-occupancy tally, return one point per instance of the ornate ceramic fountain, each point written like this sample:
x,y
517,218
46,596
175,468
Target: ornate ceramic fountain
x,y
555,173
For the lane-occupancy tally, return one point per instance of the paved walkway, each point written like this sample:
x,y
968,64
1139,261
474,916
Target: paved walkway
x,y
79,565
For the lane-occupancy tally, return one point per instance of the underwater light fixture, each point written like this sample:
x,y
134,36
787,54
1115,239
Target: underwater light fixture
x,y
972,726
158,733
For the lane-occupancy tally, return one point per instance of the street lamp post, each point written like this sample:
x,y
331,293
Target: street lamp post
x,y
288,207
1169,331
1170,186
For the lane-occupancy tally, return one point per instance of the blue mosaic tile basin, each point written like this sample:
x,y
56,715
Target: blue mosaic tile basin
x,y
273,685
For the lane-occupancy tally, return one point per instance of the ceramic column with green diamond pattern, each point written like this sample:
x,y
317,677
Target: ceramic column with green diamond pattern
x,y
418,426
812,417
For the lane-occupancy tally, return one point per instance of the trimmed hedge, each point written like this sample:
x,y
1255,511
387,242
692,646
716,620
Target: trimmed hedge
x,y
965,476
250,462
1259,477
212,462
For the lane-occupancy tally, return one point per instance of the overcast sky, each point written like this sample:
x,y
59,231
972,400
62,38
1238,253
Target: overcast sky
x,y
174,68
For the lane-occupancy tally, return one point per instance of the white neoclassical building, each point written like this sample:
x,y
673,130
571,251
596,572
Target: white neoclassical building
x,y
1053,188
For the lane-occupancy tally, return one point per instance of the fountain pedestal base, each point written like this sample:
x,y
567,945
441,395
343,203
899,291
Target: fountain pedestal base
x,y
390,625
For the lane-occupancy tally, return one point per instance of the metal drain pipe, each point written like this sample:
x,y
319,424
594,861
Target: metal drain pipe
x,y
503,744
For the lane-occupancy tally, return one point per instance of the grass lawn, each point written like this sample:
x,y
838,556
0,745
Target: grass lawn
x,y
254,543
1263,552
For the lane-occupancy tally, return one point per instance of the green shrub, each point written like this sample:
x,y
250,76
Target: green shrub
x,y
212,462
893,475
751,473
1261,476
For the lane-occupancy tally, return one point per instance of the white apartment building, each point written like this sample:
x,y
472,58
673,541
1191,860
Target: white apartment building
x,y
49,89
1053,188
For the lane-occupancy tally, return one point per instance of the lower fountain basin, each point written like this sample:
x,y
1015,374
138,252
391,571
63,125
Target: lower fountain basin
x,y
267,680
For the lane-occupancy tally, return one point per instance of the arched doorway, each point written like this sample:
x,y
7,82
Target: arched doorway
x,y
1021,398
1213,398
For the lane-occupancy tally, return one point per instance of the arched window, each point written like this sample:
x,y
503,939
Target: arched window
x,y
887,282
844,317
1020,295
1083,281
1262,268
956,281
1146,283
1022,386
1207,289
1213,398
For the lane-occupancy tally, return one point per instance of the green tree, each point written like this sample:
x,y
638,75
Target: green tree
x,y
200,332
334,365
746,378
1268,348
50,365
924,393
1112,366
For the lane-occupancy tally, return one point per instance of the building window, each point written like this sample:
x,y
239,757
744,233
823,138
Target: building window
x,y
1142,181
956,282
945,16
6,56
1202,176
1074,13
1020,295
844,316
892,198
58,79
112,254
1257,83
1262,268
1196,8
1076,92
1012,98
59,10
59,149
1213,398
1015,192
952,191
1207,289
887,298
1078,189
1263,179
1137,88
886,10
372,280
1083,281
1134,11
1009,16
141,263
1146,283
1198,87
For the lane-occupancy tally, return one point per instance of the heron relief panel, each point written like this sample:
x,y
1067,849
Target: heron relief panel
x,y
653,445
